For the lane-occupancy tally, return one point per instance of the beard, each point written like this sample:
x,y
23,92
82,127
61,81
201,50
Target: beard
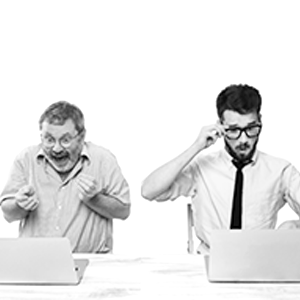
x,y
61,162
245,146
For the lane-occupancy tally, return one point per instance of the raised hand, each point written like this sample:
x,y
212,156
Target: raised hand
x,y
87,187
209,135
26,198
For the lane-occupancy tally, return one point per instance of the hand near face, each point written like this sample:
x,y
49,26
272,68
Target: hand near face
x,y
26,199
209,135
87,187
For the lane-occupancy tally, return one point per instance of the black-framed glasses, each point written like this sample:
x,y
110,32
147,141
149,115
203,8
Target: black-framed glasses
x,y
65,141
251,131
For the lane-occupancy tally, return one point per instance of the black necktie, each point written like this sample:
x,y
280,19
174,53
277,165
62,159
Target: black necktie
x,y
237,207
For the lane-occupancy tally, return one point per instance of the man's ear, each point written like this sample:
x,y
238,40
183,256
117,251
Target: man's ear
x,y
82,135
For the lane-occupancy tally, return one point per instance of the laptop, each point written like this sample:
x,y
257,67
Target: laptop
x,y
39,261
254,256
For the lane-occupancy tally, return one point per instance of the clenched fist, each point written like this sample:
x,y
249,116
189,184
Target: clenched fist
x,y
87,187
26,199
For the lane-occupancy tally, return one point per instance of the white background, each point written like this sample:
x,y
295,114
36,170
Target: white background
x,y
146,75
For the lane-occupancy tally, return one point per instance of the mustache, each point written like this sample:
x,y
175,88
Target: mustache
x,y
59,155
243,147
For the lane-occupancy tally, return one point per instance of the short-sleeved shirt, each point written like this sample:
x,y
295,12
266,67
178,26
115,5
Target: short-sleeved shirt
x,y
60,212
209,180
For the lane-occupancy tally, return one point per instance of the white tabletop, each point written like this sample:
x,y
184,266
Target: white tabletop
x,y
161,277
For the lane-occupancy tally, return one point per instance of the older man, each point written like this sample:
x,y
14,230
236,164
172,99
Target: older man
x,y
237,187
65,186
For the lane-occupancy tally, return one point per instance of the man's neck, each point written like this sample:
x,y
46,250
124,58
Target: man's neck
x,y
64,175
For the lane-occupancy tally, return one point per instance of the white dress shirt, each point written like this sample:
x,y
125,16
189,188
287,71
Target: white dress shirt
x,y
269,183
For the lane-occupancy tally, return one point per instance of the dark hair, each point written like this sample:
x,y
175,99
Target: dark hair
x,y
240,98
59,112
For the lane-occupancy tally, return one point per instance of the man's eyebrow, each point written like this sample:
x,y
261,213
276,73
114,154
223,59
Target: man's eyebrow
x,y
48,134
67,134
252,123
233,126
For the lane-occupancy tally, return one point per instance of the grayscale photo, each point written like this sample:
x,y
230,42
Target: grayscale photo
x,y
149,149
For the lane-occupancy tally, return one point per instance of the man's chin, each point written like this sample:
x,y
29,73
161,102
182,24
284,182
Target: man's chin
x,y
243,155
61,167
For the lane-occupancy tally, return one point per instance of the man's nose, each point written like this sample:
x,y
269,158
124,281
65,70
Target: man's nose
x,y
57,147
243,138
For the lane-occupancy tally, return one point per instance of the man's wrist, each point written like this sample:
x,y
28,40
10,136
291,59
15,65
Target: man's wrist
x,y
197,147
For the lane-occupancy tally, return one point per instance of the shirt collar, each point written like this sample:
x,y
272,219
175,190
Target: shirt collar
x,y
84,153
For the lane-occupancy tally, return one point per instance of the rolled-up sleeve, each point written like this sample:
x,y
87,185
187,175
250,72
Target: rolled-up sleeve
x,y
184,185
291,182
112,181
16,179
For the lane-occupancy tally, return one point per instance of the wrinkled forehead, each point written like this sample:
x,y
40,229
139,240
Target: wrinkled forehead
x,y
233,118
57,129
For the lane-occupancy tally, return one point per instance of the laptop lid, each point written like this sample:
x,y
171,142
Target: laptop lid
x,y
39,261
254,256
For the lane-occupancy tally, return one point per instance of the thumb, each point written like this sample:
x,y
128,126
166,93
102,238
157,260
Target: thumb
x,y
28,190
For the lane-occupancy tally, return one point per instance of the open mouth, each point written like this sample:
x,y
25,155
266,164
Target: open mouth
x,y
60,159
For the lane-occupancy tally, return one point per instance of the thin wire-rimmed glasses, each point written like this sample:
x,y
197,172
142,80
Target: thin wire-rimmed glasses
x,y
251,131
66,141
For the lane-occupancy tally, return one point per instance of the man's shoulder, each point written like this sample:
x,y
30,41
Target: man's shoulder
x,y
271,160
29,152
208,160
211,157
98,152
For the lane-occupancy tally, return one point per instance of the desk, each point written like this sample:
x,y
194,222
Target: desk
x,y
164,277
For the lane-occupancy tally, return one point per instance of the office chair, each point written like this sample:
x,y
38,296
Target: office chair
x,y
190,222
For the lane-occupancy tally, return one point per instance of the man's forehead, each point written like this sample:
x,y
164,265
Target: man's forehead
x,y
57,127
234,118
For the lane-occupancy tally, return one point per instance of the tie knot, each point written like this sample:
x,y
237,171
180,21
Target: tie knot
x,y
240,164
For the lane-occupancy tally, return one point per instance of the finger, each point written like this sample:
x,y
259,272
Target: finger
x,y
32,205
85,182
27,203
27,190
20,198
81,188
217,129
87,177
82,193
211,139
84,186
30,190
88,184
214,134
221,129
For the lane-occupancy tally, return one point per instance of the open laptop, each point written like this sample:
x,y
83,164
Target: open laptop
x,y
254,256
36,261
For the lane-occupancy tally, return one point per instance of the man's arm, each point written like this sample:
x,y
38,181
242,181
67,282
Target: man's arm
x,y
18,207
11,211
161,179
108,206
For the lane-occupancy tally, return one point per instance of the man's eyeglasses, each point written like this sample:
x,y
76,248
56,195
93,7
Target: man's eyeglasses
x,y
66,141
235,133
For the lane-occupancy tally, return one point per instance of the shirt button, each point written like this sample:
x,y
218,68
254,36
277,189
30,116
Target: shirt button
x,y
59,207
57,227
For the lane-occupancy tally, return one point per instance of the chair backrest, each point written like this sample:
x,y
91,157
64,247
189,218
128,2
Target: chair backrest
x,y
190,243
